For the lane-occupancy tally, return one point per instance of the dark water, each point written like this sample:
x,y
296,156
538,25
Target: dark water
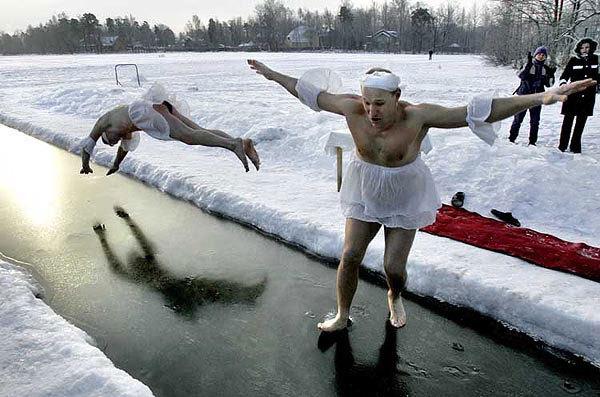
x,y
191,304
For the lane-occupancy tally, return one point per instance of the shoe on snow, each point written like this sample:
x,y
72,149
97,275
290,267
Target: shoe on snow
x,y
458,200
506,217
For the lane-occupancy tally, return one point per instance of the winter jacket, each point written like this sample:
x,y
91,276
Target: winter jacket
x,y
581,68
534,76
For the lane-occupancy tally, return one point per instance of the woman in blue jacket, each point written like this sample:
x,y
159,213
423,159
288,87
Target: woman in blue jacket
x,y
534,76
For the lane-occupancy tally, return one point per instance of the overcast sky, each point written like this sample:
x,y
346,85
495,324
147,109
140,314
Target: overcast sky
x,y
17,14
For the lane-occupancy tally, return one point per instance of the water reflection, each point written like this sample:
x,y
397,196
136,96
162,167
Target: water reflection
x,y
28,174
183,295
353,378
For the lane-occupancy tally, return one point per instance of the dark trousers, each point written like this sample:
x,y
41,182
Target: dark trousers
x,y
565,133
534,124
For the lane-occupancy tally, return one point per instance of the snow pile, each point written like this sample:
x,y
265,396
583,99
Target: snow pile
x,y
41,354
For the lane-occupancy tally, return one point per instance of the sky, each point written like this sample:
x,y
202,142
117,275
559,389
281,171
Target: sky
x,y
17,15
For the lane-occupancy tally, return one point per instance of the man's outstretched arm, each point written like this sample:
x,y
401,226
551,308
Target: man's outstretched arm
x,y
501,108
340,104
506,107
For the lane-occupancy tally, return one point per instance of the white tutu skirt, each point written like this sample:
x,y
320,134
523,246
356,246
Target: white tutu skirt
x,y
149,120
404,197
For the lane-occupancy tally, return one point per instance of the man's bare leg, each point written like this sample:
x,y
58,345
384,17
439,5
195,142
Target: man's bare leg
x,y
249,148
357,236
200,136
398,243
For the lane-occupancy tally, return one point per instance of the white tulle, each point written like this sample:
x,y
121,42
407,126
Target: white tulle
x,y
404,197
478,110
158,93
129,145
88,144
315,81
149,120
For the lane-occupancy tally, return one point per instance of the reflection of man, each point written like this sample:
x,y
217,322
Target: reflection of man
x,y
162,122
354,378
387,184
182,295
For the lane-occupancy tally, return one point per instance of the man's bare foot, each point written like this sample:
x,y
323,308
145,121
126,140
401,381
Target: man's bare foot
x,y
251,152
161,108
173,109
397,313
238,149
335,324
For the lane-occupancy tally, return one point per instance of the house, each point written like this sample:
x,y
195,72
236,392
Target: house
x,y
327,37
382,40
112,43
302,37
108,41
249,46
455,47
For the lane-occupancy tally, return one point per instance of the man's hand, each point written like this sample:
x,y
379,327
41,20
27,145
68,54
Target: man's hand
x,y
529,57
261,68
560,94
112,171
86,169
121,213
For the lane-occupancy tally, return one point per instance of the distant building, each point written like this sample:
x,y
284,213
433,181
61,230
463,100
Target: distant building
x,y
249,46
382,40
302,37
455,47
108,41
326,37
112,43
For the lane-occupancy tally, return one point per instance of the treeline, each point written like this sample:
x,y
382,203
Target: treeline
x,y
503,29
63,35
519,26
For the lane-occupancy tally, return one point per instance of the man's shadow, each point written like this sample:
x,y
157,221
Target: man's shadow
x,y
354,378
183,295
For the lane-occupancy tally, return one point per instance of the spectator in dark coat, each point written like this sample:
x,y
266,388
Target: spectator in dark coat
x,y
583,65
534,76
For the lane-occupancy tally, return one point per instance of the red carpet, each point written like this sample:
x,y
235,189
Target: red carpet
x,y
538,248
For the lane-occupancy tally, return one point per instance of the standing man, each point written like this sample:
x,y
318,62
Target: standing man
x,y
162,122
534,76
387,183
584,65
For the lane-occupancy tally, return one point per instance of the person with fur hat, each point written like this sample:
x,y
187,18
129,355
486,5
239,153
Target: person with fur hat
x,y
535,75
578,106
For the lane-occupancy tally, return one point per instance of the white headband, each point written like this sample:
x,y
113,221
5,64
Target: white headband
x,y
381,80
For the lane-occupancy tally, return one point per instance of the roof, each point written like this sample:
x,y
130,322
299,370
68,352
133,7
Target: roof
x,y
299,35
108,41
391,34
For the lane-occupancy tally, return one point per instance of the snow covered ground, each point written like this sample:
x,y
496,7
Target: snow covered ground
x,y
58,98
41,354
